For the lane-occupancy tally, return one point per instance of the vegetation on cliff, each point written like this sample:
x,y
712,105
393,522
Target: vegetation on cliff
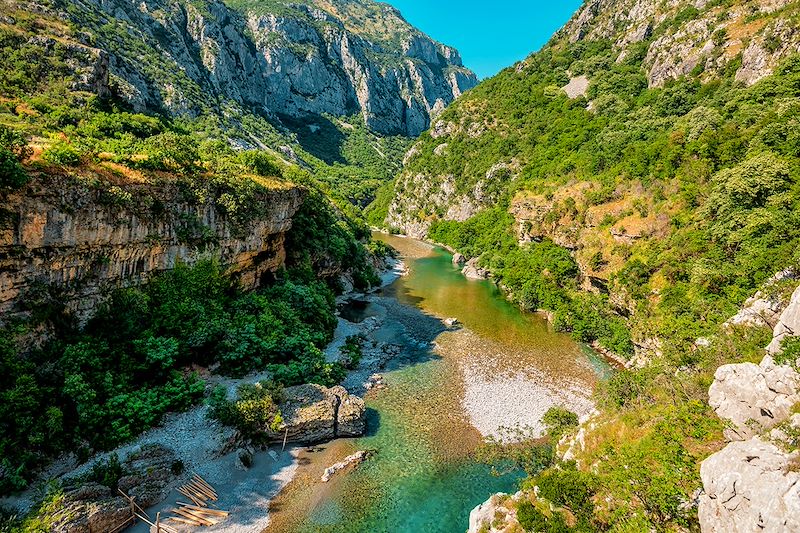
x,y
677,198
98,386
91,387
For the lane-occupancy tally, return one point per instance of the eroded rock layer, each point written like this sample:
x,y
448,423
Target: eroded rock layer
x,y
81,240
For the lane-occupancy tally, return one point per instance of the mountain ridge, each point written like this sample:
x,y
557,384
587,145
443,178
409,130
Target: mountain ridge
x,y
191,57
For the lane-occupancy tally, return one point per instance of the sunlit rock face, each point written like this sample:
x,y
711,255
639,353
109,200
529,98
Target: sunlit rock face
x,y
283,60
58,234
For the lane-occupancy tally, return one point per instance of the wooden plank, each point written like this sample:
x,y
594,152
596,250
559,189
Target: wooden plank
x,y
204,510
205,520
202,490
206,483
186,514
196,494
182,520
195,500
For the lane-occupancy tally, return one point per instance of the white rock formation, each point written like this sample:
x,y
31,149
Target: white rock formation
x,y
473,271
750,487
495,515
753,398
788,324
753,485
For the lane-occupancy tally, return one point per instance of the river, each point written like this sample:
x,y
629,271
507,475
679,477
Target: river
x,y
450,388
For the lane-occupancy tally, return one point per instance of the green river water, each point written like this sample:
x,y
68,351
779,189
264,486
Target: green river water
x,y
423,476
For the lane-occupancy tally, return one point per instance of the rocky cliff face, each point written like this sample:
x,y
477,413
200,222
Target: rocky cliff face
x,y
667,40
81,239
752,484
702,34
191,57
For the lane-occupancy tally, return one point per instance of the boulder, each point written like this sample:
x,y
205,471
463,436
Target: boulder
x,y
497,514
788,324
312,413
459,259
90,508
750,486
355,459
753,397
351,420
473,271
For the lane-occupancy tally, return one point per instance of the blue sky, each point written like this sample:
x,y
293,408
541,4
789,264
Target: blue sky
x,y
490,35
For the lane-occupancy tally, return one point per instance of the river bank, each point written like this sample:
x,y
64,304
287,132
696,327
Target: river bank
x,y
491,371
204,446
442,386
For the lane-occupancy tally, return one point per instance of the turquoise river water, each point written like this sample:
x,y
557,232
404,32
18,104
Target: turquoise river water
x,y
424,476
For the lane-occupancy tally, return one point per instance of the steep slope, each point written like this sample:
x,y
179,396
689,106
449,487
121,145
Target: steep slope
x,y
639,178
136,246
623,144
194,57
337,87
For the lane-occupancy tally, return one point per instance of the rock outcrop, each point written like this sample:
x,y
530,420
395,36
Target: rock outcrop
x,y
60,234
472,271
699,35
495,515
752,398
750,486
763,308
753,483
313,413
788,324
94,507
281,59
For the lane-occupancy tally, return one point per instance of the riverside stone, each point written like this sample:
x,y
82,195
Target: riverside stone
x,y
354,459
473,271
313,413
495,515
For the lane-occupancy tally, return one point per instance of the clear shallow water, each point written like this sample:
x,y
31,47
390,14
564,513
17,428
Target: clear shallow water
x,y
423,476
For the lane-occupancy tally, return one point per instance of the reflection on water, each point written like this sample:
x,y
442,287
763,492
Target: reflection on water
x,y
356,310
423,476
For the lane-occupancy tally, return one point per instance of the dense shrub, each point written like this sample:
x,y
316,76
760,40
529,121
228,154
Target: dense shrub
x,y
534,520
12,175
568,487
254,411
126,368
558,421
62,153
14,149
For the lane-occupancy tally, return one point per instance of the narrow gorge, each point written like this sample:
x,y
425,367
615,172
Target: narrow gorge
x,y
293,266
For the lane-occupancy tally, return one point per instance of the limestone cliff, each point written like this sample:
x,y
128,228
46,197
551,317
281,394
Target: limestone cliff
x,y
752,484
83,238
279,59
666,40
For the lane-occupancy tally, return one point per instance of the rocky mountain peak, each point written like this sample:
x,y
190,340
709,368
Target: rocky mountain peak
x,y
279,59
678,37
